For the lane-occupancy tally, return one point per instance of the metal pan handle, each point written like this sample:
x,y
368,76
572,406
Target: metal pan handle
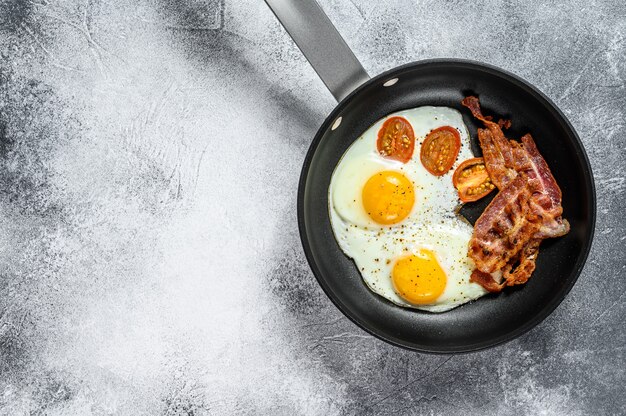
x,y
321,44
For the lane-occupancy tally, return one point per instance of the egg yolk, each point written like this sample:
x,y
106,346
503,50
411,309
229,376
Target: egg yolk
x,y
418,278
388,197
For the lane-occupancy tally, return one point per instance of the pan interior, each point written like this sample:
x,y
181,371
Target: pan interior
x,y
494,318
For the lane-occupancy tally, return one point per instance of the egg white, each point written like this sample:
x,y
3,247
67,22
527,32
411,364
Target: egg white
x,y
432,223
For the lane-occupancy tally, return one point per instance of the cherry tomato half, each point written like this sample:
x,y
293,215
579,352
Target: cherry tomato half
x,y
396,139
440,149
471,180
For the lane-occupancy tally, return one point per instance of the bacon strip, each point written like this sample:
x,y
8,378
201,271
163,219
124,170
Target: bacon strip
x,y
494,160
503,230
521,273
486,280
506,237
498,146
547,199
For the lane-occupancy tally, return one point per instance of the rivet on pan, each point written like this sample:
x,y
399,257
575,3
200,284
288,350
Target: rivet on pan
x,y
390,82
336,123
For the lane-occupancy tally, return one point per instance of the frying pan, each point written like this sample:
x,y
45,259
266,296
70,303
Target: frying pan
x,y
490,320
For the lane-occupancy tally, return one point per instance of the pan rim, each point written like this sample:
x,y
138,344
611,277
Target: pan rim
x,y
549,307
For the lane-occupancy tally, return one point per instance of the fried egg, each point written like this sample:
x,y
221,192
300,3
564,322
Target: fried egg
x,y
399,223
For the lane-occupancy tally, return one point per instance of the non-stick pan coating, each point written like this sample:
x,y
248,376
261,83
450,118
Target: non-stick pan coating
x,y
494,318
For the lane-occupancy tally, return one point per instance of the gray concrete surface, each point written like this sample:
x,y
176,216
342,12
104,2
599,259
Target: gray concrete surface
x,y
149,255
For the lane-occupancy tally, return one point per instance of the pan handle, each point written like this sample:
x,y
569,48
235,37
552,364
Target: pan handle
x,y
321,44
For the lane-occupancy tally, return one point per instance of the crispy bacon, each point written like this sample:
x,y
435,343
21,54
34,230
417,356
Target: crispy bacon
x,y
486,280
506,237
517,275
502,231
494,160
546,201
496,145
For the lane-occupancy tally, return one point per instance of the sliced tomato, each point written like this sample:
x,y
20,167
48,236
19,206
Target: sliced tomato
x,y
471,180
396,139
440,149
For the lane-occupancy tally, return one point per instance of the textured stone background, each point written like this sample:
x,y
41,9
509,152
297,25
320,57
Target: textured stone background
x,y
149,255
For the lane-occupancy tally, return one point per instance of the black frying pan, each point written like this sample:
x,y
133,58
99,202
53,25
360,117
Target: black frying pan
x,y
492,319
